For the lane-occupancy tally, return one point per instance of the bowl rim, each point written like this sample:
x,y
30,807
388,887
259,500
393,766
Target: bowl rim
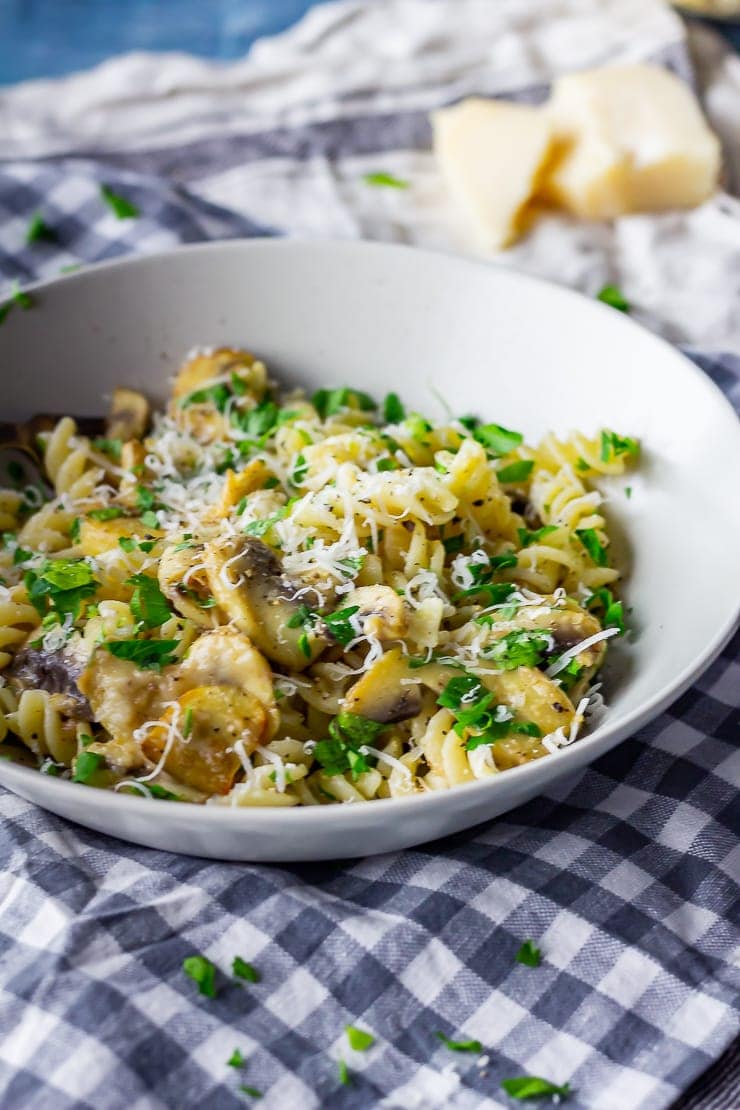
x,y
266,816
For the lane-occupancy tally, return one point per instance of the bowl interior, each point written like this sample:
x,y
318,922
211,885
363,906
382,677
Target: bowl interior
x,y
506,347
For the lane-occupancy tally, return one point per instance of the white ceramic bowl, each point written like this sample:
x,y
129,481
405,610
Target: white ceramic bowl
x,y
518,351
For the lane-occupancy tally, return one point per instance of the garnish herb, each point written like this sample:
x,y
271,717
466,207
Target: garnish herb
x,y
236,1060
60,586
187,724
520,648
613,611
393,410
86,764
110,512
497,440
22,299
300,470
344,1077
244,970
459,1046
202,972
339,624
612,446
38,230
381,179
328,402
453,544
590,540
112,447
532,1086
251,1091
387,464
516,472
614,297
472,706
529,954
74,530
340,754
358,1038
148,604
526,537
483,588
628,491
147,654
121,208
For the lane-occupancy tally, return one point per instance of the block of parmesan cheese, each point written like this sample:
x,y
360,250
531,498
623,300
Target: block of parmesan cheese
x,y
492,154
630,139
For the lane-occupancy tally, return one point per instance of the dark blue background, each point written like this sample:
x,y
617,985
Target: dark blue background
x,y
45,38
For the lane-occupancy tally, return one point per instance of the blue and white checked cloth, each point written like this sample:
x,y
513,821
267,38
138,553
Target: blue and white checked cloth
x,y
625,877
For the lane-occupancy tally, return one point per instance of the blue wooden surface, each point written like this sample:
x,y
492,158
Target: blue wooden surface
x,y
46,38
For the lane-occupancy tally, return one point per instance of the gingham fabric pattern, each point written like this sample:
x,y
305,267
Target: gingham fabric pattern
x,y
625,877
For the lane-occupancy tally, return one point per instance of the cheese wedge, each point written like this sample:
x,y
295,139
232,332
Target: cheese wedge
x,y
631,139
492,155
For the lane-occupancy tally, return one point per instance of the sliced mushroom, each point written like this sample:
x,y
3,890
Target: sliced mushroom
x,y
200,736
129,415
247,580
382,695
531,694
56,672
382,612
121,696
204,369
183,581
225,657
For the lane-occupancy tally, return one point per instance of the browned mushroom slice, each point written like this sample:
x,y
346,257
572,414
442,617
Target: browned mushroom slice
x,y
208,368
381,611
183,581
225,657
200,736
386,692
129,415
531,694
247,580
56,672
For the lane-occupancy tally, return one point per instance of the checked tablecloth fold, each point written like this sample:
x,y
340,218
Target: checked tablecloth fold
x,y
625,877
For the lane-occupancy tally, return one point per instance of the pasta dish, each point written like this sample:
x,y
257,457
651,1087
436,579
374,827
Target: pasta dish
x,y
261,598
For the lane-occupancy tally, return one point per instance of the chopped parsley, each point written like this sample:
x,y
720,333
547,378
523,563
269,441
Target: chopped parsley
x,y
614,297
20,297
529,954
121,208
253,1092
147,654
497,440
260,528
453,544
526,537
86,764
339,624
328,402
516,472
590,540
340,754
244,970
300,470
60,587
260,421
358,1039
110,512
387,464
483,588
236,1060
520,648
531,1086
393,410
613,446
38,230
612,611
344,1077
628,491
382,180
112,447
459,1046
202,972
148,604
